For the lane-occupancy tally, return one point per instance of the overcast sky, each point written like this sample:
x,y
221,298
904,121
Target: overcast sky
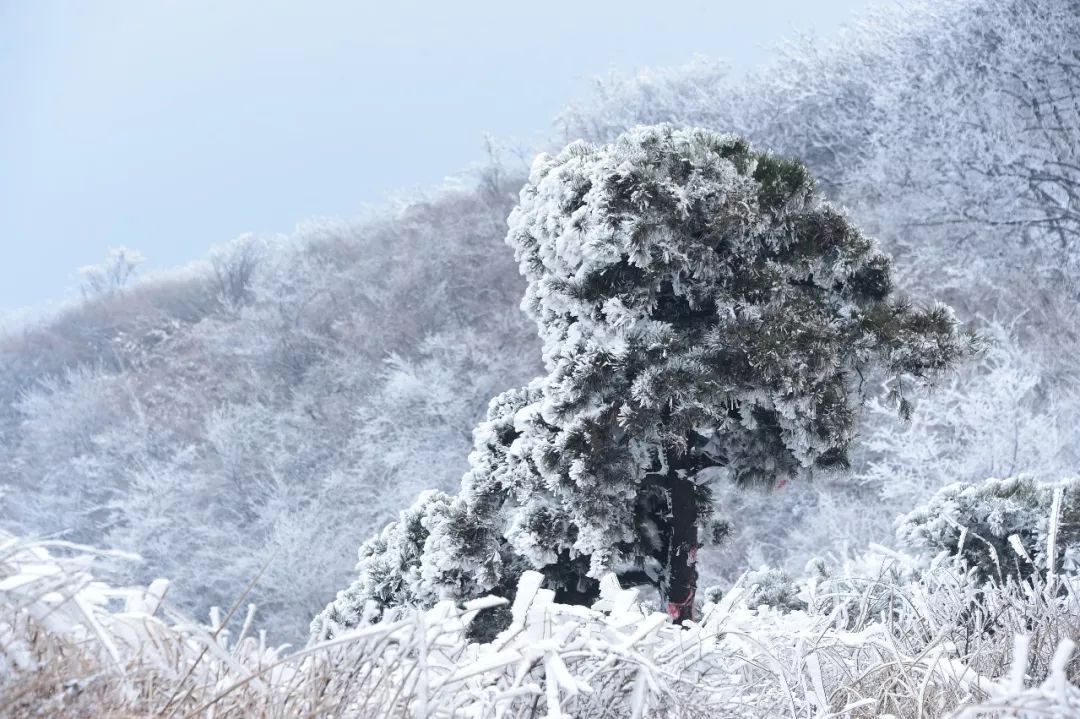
x,y
170,126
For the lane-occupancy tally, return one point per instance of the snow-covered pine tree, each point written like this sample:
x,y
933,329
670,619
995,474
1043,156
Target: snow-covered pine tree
x,y
705,317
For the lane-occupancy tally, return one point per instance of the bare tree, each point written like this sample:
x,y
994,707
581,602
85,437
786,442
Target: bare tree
x,y
113,275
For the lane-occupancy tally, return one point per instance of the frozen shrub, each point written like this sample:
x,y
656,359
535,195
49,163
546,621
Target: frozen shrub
x,y
390,566
976,522
773,587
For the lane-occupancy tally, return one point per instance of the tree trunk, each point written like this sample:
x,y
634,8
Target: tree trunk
x,y
680,567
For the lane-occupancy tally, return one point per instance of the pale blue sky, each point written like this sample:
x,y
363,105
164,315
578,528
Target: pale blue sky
x,y
170,126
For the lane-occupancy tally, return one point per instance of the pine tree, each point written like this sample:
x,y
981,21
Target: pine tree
x,y
705,317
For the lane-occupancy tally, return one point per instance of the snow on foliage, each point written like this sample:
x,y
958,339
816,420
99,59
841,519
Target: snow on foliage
x,y
940,126
1001,528
701,308
250,411
244,410
881,636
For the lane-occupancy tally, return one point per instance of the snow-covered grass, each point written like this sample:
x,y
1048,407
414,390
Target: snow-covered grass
x,y
884,636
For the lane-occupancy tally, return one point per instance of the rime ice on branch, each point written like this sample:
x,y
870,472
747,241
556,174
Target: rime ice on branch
x,y
705,316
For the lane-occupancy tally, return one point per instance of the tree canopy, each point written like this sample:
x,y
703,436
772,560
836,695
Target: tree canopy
x,y
705,317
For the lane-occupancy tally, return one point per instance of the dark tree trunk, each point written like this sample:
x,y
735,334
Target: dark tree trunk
x,y
681,544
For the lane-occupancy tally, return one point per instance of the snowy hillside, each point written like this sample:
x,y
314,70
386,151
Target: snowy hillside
x,y
295,393
245,424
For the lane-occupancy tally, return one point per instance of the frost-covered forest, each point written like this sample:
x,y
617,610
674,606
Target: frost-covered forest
x,y
246,423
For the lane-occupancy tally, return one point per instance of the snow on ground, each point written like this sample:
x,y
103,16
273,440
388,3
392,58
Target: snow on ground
x,y
887,635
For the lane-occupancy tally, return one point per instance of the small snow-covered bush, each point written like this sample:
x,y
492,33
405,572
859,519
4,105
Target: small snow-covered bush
x,y
390,575
772,587
1001,528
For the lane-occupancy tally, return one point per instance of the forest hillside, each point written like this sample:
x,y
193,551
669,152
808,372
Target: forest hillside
x,y
257,416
